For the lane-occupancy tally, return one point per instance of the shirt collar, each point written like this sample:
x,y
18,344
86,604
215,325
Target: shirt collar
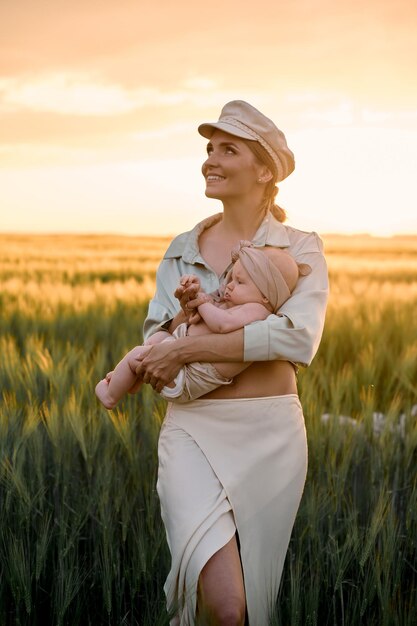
x,y
271,232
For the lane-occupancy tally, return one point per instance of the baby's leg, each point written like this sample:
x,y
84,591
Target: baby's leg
x,y
157,337
109,392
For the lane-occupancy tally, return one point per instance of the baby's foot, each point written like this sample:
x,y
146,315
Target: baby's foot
x,y
102,393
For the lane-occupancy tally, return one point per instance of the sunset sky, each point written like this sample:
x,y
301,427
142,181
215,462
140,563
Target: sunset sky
x,y
100,101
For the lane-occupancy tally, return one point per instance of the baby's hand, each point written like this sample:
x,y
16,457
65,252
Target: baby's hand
x,y
187,290
187,280
190,284
108,376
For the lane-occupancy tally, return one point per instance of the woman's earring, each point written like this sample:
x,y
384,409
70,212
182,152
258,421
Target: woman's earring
x,y
264,179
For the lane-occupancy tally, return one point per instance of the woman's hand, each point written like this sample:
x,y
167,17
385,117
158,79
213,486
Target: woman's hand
x,y
159,365
194,316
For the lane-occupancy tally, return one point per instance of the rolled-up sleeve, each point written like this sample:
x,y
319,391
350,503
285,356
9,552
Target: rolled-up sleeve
x,y
294,333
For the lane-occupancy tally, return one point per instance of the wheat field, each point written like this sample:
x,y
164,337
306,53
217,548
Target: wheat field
x,y
81,540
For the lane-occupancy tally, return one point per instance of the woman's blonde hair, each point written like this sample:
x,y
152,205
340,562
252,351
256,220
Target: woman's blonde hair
x,y
271,188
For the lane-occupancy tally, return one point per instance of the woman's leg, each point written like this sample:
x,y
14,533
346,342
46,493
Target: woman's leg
x,y
221,592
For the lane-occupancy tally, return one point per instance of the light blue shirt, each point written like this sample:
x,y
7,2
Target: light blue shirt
x,y
294,333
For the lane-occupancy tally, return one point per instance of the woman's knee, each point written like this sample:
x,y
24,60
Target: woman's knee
x,y
229,613
233,614
222,609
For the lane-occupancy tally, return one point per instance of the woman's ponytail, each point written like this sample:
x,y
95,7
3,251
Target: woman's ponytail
x,y
278,212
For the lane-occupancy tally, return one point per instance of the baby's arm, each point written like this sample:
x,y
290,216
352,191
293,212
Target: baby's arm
x,y
221,320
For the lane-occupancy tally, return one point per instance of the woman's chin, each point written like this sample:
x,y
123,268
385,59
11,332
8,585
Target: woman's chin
x,y
213,193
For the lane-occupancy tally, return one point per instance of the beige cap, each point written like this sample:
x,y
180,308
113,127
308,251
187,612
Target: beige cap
x,y
241,119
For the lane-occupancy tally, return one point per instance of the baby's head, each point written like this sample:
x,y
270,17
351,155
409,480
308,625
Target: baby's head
x,y
284,263
273,270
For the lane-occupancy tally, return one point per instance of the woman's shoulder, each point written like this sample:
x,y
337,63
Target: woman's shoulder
x,y
177,246
303,241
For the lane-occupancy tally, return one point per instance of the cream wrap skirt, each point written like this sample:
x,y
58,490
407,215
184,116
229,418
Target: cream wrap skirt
x,y
226,467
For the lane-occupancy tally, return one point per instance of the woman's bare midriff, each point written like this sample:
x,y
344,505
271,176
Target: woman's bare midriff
x,y
261,379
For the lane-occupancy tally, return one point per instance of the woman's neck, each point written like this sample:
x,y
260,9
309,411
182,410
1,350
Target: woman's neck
x,y
237,223
241,222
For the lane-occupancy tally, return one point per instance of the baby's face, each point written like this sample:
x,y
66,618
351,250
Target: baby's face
x,y
241,289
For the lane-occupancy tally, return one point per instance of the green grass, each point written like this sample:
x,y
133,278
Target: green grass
x,y
81,540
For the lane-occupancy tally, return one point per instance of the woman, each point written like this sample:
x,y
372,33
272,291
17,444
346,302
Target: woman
x,y
232,464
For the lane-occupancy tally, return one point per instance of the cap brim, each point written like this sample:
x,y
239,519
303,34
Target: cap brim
x,y
206,130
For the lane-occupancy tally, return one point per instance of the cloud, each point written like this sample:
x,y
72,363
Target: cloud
x,y
65,94
80,94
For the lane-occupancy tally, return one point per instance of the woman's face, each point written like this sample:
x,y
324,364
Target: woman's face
x,y
231,169
241,288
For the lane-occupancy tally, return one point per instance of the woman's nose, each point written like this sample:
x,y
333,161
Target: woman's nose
x,y
210,161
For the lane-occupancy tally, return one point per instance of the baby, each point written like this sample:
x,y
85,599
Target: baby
x,y
260,281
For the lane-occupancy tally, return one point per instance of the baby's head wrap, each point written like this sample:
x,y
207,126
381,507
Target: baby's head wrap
x,y
264,273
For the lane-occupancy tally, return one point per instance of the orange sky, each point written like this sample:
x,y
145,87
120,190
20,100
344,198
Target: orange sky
x,y
100,99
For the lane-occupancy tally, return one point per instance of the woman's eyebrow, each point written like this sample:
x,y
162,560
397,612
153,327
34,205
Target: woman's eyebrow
x,y
222,144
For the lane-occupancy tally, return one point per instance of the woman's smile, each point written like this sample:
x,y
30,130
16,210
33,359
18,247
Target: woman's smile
x,y
214,178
